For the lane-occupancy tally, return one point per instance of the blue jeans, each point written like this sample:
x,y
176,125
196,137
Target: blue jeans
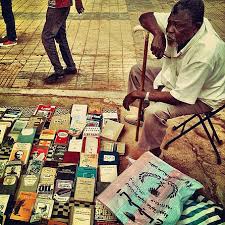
x,y
55,30
9,19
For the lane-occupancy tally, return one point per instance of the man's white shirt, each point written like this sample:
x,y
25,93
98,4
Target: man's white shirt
x,y
198,70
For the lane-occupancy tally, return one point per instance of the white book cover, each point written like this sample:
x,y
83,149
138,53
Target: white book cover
x,y
75,145
108,173
79,111
82,216
91,131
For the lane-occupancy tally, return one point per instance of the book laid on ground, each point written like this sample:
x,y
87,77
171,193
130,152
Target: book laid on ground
x,y
75,145
85,189
45,190
60,122
19,124
48,175
109,114
77,126
62,137
91,131
24,206
27,135
39,152
91,145
71,157
112,130
47,134
20,152
102,213
66,171
45,110
2,111
12,113
2,168
87,172
59,153
37,122
88,160
82,216
94,109
78,111
108,158
42,209
63,189
107,173
3,205
45,143
3,129
34,167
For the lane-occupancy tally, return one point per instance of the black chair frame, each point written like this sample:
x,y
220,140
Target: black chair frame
x,y
202,119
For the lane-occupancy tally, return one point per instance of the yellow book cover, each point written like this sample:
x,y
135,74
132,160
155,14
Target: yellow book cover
x,y
47,134
24,206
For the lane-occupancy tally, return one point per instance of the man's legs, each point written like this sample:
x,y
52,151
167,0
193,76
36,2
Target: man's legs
x,y
9,20
64,48
55,18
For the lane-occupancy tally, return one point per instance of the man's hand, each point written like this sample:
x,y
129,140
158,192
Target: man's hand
x,y
131,97
79,6
158,45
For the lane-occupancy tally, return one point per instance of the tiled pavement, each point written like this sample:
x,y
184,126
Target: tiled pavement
x,y
103,45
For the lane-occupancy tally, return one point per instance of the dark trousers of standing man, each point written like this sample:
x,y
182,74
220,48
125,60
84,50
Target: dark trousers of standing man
x,y
55,29
9,19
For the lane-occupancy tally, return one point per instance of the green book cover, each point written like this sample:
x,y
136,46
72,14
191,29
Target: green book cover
x,y
27,135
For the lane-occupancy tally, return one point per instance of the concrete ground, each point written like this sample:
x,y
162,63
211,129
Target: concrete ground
x,y
104,48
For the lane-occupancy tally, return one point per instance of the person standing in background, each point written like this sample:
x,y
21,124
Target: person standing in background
x,y
55,30
10,39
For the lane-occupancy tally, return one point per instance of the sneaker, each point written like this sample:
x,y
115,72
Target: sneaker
x,y
132,119
8,43
54,78
4,38
70,71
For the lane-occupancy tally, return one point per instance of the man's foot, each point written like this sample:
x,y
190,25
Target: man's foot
x,y
4,42
133,119
70,71
5,38
54,78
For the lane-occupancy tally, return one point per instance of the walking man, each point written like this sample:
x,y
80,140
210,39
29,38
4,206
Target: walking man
x,y
55,30
10,39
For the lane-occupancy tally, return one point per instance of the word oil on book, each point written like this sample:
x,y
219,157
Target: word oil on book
x,y
24,206
45,190
42,209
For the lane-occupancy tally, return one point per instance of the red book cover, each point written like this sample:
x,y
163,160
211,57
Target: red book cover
x,y
62,137
39,152
45,110
91,145
71,157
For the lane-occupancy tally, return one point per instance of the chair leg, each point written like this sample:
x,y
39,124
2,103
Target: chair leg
x,y
211,140
184,123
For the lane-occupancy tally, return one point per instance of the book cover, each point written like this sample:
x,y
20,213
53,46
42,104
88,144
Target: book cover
x,y
109,114
20,152
102,213
112,130
60,122
66,171
91,131
88,160
45,143
13,168
75,145
54,222
77,126
42,209
27,135
24,206
48,175
28,183
2,168
45,110
78,111
91,145
71,157
85,189
107,173
39,152
93,123
82,216
120,147
62,137
108,158
63,189
3,129
45,190
9,185
86,172
37,122
34,167
2,111
19,125
3,205
94,109
59,152
12,113
47,134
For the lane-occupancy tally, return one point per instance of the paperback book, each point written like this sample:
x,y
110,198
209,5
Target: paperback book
x,y
71,157
12,113
19,125
91,131
91,145
39,152
47,134
63,189
3,205
45,110
45,190
86,172
59,152
27,135
66,171
102,213
108,158
60,122
24,206
62,137
88,160
75,145
82,216
107,173
37,122
42,209
34,167
48,175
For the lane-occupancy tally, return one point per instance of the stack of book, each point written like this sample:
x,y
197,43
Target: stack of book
x,y
49,162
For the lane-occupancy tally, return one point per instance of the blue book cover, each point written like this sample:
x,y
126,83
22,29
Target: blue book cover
x,y
87,172
108,158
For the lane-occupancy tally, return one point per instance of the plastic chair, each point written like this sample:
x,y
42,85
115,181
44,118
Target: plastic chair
x,y
202,119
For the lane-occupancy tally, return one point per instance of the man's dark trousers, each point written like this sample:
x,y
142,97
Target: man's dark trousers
x,y
55,29
9,19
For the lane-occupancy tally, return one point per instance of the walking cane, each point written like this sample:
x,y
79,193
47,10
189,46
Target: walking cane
x,y
142,82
